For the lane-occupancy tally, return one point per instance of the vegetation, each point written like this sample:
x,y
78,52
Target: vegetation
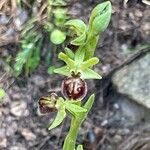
x,y
77,68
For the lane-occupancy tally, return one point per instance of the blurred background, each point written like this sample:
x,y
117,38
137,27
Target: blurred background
x,y
31,36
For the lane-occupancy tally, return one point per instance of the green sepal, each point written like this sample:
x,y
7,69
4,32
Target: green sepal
x,y
89,63
80,147
79,40
74,109
61,114
51,69
66,59
100,18
79,55
78,25
69,52
90,74
63,71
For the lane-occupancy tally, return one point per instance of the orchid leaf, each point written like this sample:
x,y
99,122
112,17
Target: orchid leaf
x,y
61,114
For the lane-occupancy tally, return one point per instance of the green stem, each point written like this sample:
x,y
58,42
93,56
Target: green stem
x,y
70,140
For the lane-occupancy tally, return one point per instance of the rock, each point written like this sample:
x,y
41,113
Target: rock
x,y
28,134
3,142
4,20
19,108
133,80
20,19
117,139
11,128
2,133
19,147
38,80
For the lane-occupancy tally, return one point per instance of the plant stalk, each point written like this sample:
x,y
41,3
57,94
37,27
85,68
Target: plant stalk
x,y
70,140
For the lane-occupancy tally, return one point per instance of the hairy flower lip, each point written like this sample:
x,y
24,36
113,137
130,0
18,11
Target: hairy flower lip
x,y
47,103
74,88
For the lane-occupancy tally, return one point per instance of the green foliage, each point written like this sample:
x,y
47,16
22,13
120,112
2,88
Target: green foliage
x,y
2,94
58,16
78,65
33,35
28,57
57,37
86,38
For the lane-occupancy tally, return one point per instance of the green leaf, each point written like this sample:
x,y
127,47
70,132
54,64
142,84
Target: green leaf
x,y
80,147
89,63
22,58
34,60
61,114
79,40
66,59
57,37
100,18
69,52
89,103
74,109
63,71
90,74
78,25
2,94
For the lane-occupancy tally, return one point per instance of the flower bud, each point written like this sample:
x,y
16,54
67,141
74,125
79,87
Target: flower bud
x,y
74,88
47,103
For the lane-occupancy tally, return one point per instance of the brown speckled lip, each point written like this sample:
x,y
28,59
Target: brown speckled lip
x,y
74,88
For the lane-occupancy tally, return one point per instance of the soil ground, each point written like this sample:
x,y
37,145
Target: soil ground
x,y
21,127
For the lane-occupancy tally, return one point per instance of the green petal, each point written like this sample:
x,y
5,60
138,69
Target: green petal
x,y
89,63
61,114
78,25
90,74
63,71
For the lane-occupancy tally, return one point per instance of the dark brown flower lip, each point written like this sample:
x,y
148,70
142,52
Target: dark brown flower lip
x,y
46,110
46,104
74,88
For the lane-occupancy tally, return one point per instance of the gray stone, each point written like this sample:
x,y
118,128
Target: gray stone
x,y
19,108
3,143
133,80
28,134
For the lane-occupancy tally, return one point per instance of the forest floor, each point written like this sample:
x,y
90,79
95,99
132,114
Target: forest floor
x,y
22,128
